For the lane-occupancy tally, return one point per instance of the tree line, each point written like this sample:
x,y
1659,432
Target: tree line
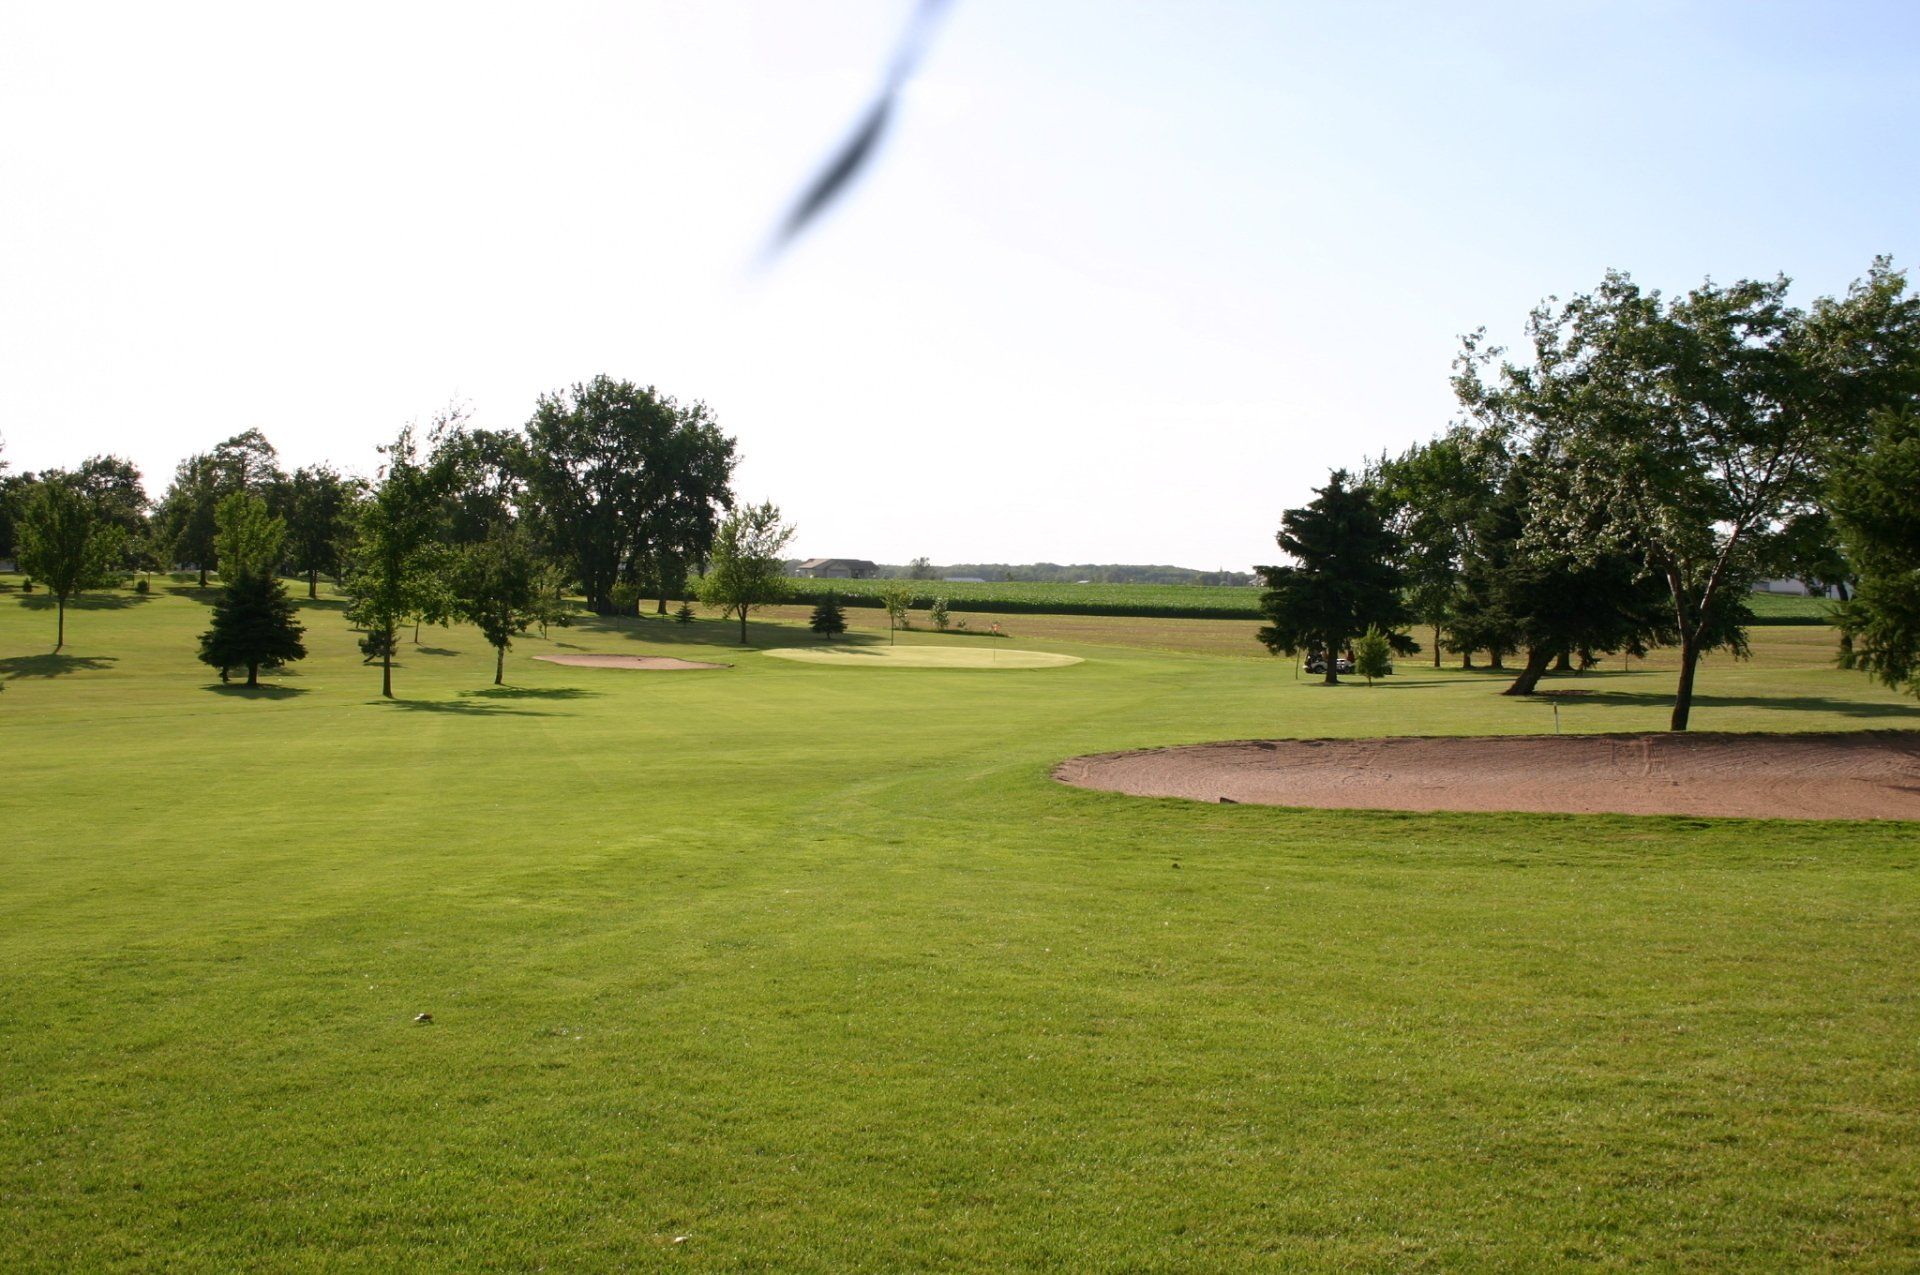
x,y
1626,479
611,489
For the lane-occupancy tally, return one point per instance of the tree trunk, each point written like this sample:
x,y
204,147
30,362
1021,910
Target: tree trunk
x,y
253,674
499,664
203,577
1436,646
60,625
1466,661
386,665
313,583
1494,660
416,631
1563,662
1537,659
1683,693
743,626
1331,677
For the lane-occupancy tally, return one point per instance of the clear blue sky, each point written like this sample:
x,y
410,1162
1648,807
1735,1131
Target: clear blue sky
x,y
1124,282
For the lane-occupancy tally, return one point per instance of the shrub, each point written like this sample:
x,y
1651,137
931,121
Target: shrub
x,y
938,614
1372,655
685,614
625,597
141,585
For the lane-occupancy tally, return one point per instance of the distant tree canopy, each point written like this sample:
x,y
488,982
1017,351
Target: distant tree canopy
x,y
185,521
1346,579
318,505
623,477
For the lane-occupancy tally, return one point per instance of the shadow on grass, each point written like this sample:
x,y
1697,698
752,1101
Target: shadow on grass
x,y
664,630
433,650
460,707
19,666
306,603
510,693
1786,703
266,690
206,597
105,600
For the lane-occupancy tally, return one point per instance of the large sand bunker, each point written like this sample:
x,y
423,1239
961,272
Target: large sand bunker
x,y
655,662
1865,775
980,657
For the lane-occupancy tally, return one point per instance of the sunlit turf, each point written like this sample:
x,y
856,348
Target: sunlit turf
x,y
819,971
989,657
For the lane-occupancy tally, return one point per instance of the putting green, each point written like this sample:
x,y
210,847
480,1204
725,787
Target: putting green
x,y
983,657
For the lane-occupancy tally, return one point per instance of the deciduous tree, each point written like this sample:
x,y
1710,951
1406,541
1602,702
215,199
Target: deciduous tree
x,y
745,571
66,545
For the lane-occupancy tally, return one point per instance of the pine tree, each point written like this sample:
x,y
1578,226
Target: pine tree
x,y
253,624
1347,581
685,614
828,620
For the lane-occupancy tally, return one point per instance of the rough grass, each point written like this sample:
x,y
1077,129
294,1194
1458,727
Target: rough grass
x,y
821,972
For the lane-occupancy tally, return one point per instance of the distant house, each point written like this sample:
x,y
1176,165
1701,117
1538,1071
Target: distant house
x,y
835,569
1794,588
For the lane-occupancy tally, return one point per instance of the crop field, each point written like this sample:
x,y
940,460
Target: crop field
x,y
1224,602
802,967
1184,601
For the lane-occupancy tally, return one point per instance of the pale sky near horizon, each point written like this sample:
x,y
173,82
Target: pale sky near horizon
x,y
1123,282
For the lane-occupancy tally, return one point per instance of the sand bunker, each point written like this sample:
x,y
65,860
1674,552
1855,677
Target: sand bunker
x,y
655,662
968,657
1864,775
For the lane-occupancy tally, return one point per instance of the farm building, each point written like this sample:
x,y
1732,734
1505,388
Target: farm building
x,y
835,569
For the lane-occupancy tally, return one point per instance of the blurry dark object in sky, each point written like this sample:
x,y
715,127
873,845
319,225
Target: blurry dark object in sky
x,y
859,147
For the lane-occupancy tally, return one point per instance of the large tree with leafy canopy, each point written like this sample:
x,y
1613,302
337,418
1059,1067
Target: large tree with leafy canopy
x,y
622,475
1699,425
67,545
1876,504
1345,579
1433,492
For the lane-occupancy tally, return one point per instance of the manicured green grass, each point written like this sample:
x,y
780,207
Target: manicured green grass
x,y
818,969
991,657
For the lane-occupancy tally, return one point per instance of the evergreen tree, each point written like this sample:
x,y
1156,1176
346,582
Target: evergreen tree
x,y
253,624
1347,580
828,620
685,614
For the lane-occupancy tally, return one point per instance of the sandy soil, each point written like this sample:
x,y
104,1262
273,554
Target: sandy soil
x,y
655,662
1864,775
